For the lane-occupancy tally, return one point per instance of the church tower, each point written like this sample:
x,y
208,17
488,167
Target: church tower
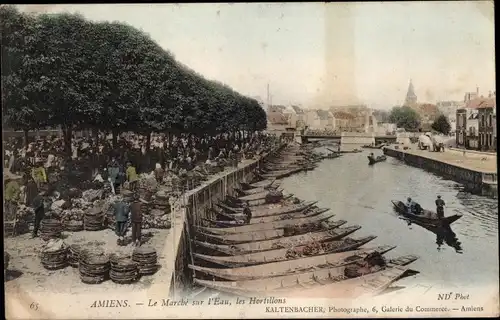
x,y
411,97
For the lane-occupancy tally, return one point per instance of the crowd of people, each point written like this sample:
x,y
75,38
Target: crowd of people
x,y
43,169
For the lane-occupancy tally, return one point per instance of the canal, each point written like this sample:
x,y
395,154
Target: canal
x,y
362,194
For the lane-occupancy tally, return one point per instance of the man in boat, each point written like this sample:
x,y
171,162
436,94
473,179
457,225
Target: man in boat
x,y
372,156
440,207
247,212
410,205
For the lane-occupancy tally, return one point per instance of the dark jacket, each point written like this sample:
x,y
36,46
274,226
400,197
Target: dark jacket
x,y
38,205
121,211
31,192
136,211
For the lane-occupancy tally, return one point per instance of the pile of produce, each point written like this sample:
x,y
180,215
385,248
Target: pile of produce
x,y
146,259
54,255
50,228
93,267
123,270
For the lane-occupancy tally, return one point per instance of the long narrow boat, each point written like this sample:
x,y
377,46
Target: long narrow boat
x,y
239,219
282,268
258,190
369,285
372,161
263,183
270,209
259,203
282,174
285,242
308,279
257,196
277,255
263,235
427,217
268,225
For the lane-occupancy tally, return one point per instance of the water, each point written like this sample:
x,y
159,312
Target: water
x,y
362,194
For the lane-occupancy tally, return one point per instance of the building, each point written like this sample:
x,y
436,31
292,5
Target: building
x,y
411,97
477,108
472,140
485,126
277,122
296,116
326,119
313,121
342,120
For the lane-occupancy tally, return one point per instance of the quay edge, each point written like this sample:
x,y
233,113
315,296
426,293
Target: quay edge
x,y
478,182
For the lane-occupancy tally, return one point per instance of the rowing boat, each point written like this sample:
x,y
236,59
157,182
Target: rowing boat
x,y
372,161
427,217
259,184
282,268
266,226
310,279
277,255
239,219
285,242
262,235
235,201
368,285
271,209
258,190
281,174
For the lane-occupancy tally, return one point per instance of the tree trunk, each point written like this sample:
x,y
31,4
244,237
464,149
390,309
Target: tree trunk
x,y
26,139
115,138
96,140
67,132
148,142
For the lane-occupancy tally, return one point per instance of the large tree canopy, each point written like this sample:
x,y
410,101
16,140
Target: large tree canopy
x,y
62,70
405,117
441,125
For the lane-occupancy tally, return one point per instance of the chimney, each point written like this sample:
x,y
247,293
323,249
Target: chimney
x,y
477,90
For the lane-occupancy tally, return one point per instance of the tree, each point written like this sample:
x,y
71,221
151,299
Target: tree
x,y
381,115
405,117
441,125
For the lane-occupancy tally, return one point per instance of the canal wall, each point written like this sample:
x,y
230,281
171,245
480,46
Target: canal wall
x,y
484,183
189,211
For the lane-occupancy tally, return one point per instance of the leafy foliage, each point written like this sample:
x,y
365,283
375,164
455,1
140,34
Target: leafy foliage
x,y
405,117
441,125
62,70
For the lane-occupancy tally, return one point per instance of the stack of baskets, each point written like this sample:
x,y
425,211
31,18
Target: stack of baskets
x,y
123,270
93,219
50,229
55,255
74,255
146,259
73,226
93,266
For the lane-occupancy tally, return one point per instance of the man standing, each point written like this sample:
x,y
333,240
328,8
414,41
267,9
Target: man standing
x,y
132,177
136,218
39,208
440,207
121,210
12,194
113,171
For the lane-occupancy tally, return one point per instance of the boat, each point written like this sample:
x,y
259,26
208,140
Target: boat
x,y
266,226
372,160
335,246
263,235
285,242
259,184
270,209
281,174
256,190
377,146
426,217
239,219
282,268
262,198
332,155
309,279
238,202
371,284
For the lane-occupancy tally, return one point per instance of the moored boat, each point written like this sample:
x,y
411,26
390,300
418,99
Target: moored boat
x,y
275,269
284,242
308,279
270,209
278,224
426,217
276,255
262,235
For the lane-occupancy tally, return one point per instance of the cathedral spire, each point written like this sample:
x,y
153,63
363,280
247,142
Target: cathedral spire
x,y
411,97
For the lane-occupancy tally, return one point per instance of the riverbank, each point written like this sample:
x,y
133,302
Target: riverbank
x,y
477,174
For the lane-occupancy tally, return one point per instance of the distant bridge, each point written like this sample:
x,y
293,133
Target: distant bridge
x,y
349,138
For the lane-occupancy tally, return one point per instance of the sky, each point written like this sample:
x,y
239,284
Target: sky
x,y
318,55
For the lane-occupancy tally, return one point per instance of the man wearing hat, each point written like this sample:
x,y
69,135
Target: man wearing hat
x,y
39,208
440,207
12,193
